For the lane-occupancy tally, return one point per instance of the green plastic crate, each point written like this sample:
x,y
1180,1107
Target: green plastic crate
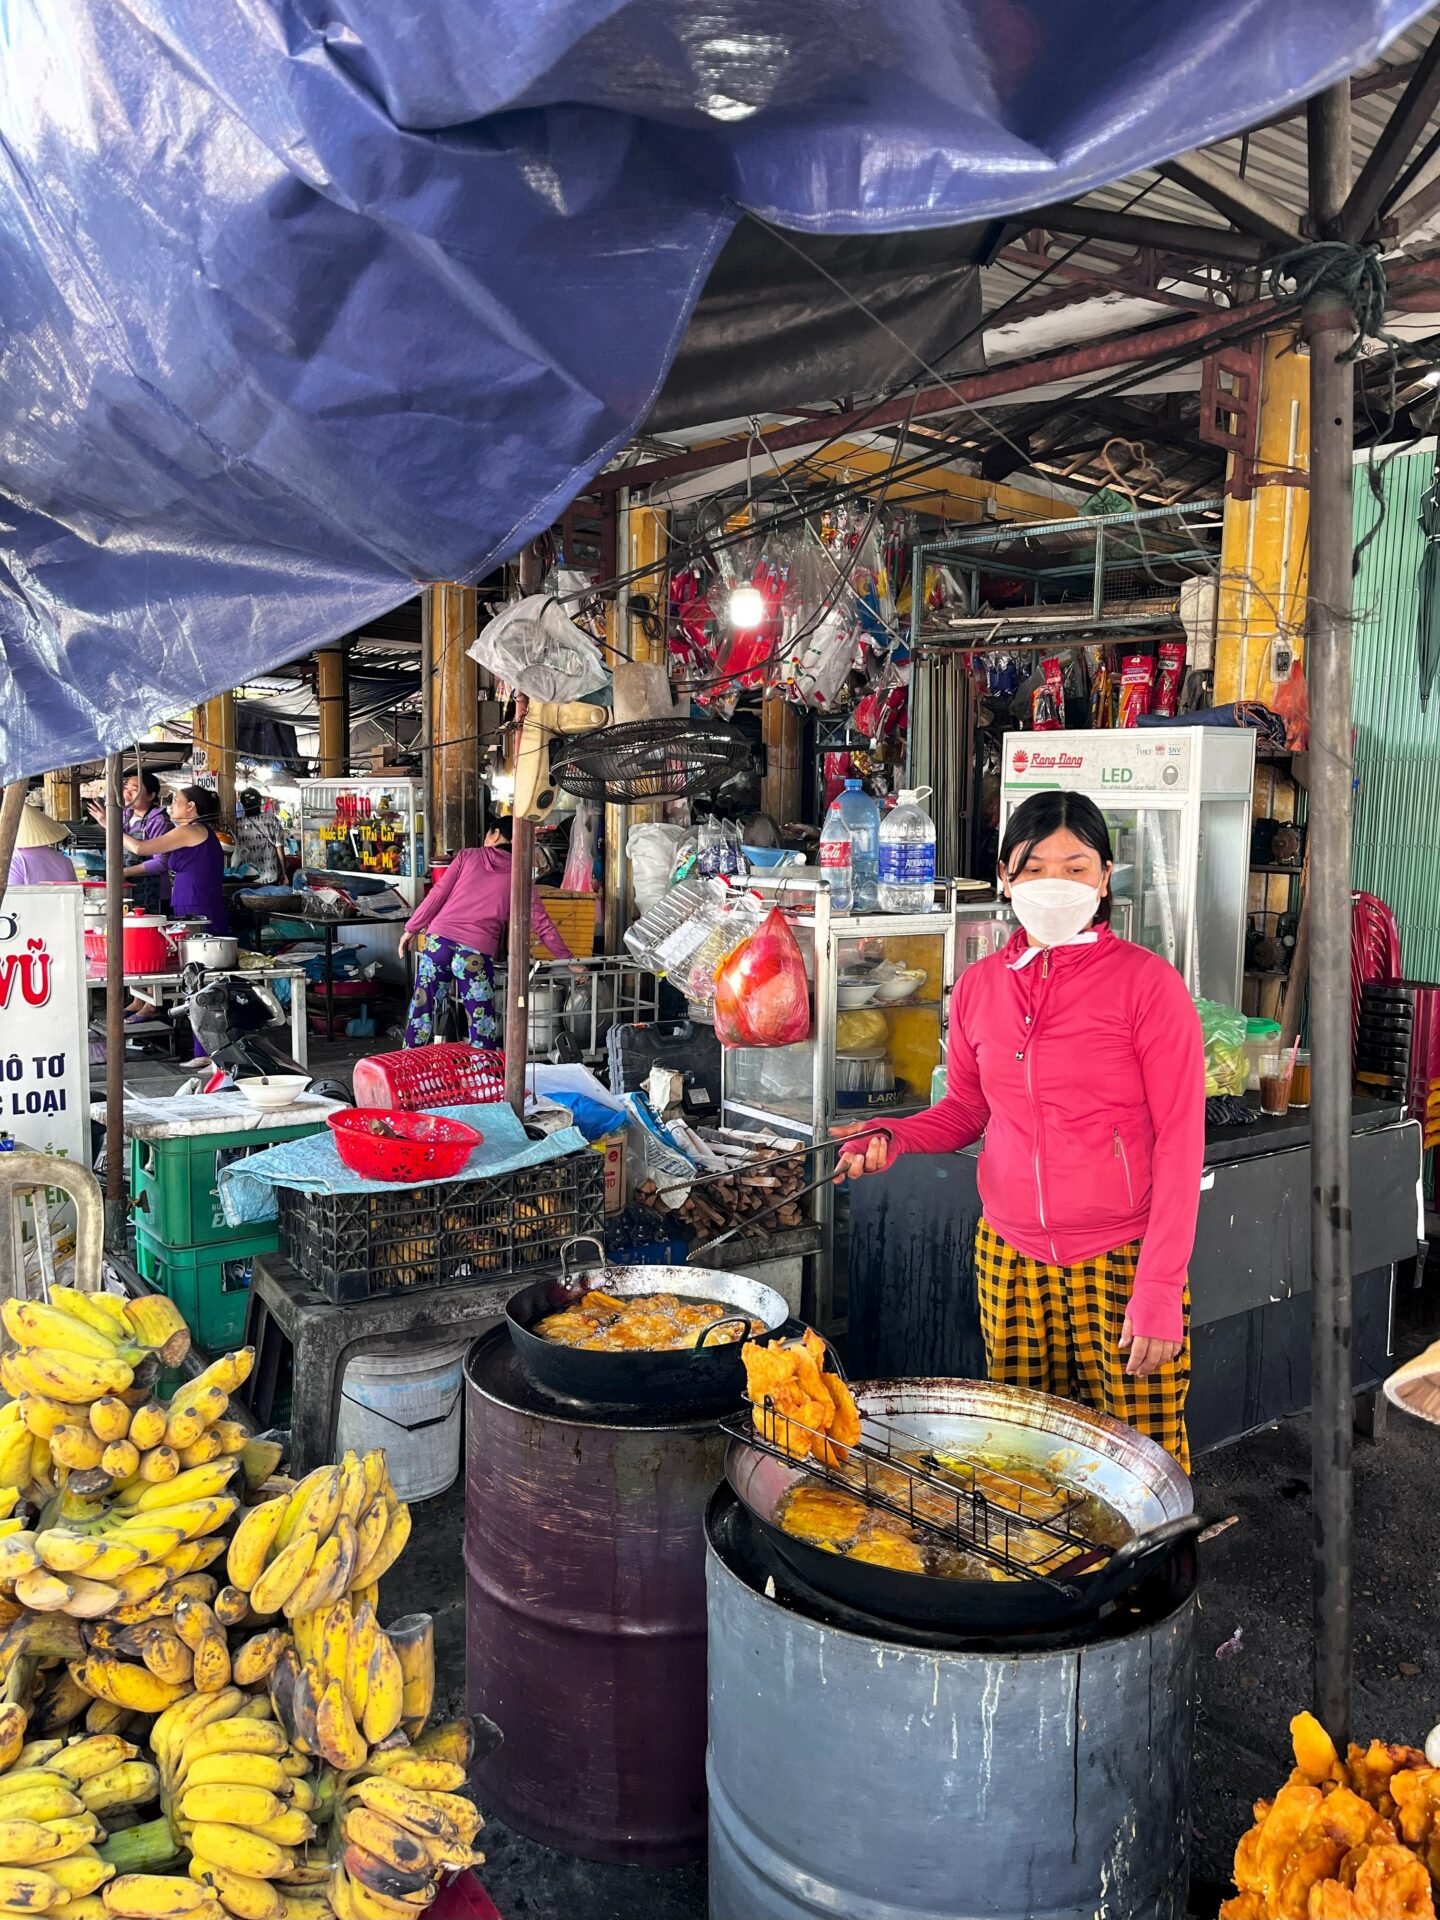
x,y
175,1184
210,1284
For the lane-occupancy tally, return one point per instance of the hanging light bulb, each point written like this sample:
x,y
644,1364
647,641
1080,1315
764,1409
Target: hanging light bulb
x,y
746,609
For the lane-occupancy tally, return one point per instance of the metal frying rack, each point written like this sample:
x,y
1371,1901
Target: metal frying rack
x,y
981,1524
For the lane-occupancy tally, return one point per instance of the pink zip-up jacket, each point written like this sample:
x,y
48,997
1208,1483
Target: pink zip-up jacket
x,y
1085,1072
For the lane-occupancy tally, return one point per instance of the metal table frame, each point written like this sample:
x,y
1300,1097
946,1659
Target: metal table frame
x,y
153,987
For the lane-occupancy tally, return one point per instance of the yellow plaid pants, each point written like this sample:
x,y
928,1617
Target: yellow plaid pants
x,y
1057,1330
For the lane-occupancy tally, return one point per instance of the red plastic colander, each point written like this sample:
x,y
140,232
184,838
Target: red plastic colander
x,y
383,1143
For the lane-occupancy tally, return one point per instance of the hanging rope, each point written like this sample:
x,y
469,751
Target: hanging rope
x,y
1338,266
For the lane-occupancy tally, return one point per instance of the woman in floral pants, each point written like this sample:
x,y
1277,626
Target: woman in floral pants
x,y
457,930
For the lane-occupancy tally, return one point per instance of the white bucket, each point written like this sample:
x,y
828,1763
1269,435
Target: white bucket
x,y
406,1396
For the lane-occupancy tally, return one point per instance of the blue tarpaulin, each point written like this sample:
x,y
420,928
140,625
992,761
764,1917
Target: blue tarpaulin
x,y
306,302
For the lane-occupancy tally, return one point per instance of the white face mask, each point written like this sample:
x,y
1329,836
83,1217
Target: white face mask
x,y
1054,911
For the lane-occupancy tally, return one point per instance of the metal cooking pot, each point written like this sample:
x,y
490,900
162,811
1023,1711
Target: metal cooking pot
x,y
691,1380
213,950
984,1418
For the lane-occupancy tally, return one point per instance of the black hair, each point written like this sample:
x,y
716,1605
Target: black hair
x,y
205,803
148,783
1041,815
504,827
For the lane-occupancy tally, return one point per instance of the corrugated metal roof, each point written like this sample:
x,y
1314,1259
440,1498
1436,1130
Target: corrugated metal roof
x,y
1396,841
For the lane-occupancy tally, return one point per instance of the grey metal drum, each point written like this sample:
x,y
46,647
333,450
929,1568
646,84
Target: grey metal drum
x,y
854,1777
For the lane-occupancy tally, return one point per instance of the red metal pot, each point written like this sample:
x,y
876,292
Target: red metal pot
x,y
151,943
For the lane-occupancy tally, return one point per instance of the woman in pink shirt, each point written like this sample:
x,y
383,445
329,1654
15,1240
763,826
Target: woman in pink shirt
x,y
1078,1057
457,930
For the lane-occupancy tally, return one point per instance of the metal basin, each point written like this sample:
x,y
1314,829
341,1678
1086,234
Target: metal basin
x,y
978,1418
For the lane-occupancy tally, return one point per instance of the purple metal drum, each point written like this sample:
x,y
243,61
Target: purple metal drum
x,y
585,1579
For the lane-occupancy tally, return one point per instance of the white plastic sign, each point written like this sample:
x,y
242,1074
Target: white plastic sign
x,y
44,1045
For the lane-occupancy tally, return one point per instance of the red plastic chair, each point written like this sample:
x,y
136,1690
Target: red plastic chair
x,y
1374,953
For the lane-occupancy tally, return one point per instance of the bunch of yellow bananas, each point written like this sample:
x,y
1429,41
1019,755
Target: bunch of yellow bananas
x,y
244,1803
128,1440
77,1347
402,1823
53,1797
343,1684
336,1533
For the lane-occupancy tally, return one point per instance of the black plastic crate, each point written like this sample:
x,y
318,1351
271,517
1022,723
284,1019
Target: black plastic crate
x,y
352,1245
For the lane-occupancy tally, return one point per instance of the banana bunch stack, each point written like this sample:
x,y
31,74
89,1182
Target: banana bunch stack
x,y
53,1798
124,1442
244,1804
336,1533
342,1684
80,1346
402,1822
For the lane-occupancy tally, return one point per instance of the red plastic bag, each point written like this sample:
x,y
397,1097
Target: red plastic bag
x,y
1292,703
762,998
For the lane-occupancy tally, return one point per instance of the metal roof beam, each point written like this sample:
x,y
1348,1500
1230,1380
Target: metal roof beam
x,y
1251,209
1392,149
1143,230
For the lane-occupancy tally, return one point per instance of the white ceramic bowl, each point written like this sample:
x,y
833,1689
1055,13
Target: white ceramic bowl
x,y
855,993
900,986
274,1090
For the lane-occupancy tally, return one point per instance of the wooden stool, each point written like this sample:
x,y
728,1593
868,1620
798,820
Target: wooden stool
x,y
322,1336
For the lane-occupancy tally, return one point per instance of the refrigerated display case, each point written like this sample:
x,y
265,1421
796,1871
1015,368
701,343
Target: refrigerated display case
x,y
373,826
1177,801
870,1054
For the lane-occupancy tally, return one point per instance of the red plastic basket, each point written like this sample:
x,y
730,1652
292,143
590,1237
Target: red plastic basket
x,y
431,1149
452,1074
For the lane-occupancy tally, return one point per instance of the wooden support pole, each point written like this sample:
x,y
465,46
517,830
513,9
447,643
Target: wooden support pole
x,y
332,693
214,726
782,730
636,632
449,613
62,794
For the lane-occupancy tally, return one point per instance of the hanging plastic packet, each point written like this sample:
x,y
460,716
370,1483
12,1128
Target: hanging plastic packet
x,y
762,998
1137,684
1047,702
1168,675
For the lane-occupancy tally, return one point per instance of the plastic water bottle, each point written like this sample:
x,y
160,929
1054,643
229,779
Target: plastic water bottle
x,y
837,862
862,817
907,856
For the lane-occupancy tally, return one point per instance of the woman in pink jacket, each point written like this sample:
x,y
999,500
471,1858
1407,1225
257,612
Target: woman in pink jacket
x,y
1078,1056
458,929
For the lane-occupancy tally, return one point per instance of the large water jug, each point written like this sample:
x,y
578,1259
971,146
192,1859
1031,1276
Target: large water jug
x,y
907,856
862,817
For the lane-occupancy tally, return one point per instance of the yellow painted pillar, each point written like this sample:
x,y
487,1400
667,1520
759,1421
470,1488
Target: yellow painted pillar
x,y
635,631
332,694
214,734
1264,548
449,613
62,794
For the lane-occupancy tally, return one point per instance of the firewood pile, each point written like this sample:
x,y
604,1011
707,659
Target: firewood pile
x,y
761,1171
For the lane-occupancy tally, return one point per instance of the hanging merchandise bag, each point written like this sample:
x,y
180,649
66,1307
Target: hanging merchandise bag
x,y
762,998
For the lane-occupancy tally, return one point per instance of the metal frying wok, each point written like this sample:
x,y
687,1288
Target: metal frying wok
x,y
974,1419
691,1380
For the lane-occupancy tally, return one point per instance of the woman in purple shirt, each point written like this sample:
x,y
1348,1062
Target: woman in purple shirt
x,y
457,930
192,856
